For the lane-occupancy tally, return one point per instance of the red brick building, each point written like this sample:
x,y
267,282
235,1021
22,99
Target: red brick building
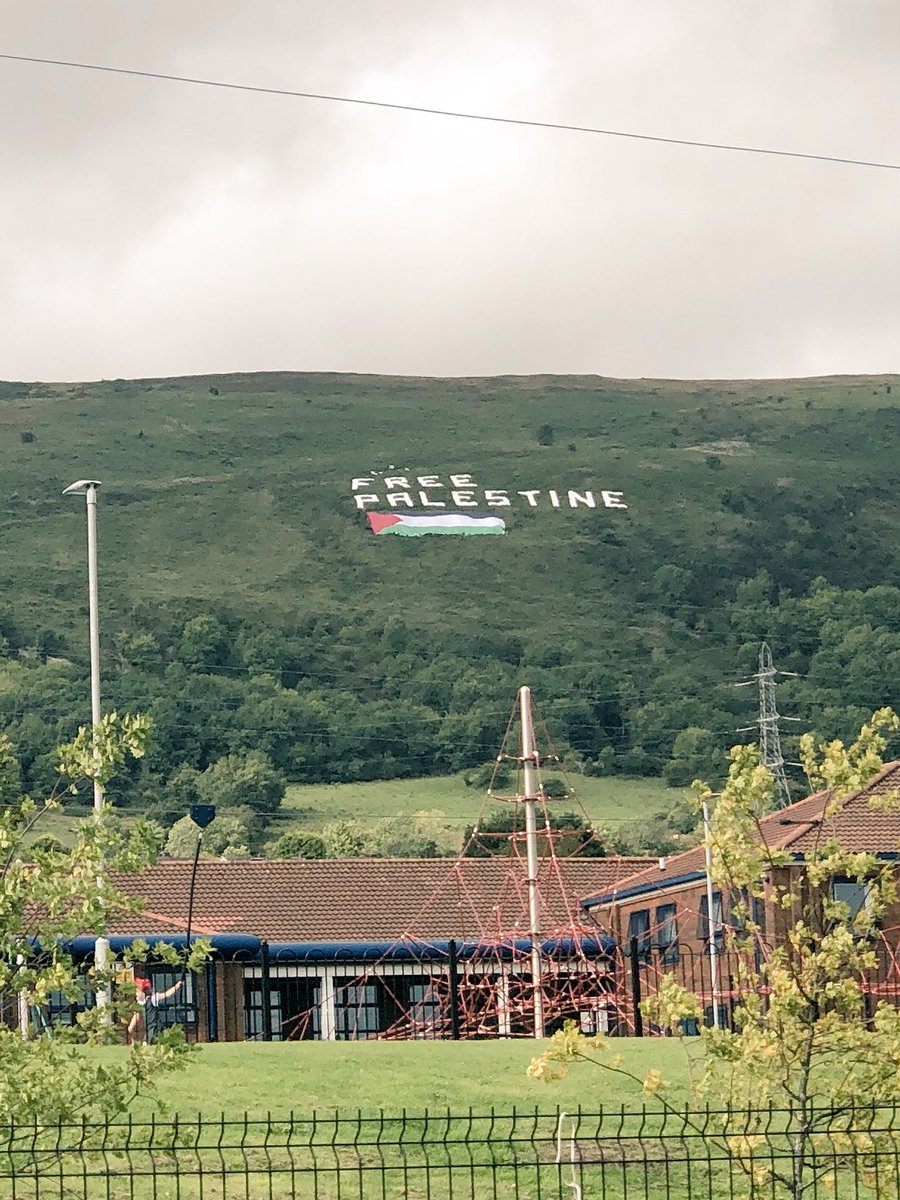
x,y
361,948
660,916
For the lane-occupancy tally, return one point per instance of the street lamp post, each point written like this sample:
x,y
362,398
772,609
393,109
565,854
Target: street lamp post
x,y
89,488
712,923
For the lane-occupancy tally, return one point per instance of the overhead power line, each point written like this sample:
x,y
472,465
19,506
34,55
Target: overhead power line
x,y
559,126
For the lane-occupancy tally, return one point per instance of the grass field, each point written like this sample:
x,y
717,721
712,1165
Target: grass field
x,y
450,805
490,1130
394,1121
305,1076
428,1121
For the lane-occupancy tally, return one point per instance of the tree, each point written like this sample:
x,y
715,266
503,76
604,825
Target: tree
x,y
233,833
663,832
139,649
671,583
803,1042
491,837
182,789
493,774
297,845
46,842
10,774
243,780
262,652
182,838
345,839
204,644
423,835
695,751
48,895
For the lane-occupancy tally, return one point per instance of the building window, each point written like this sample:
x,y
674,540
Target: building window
x,y
852,893
59,1009
253,1011
703,922
758,911
740,915
294,1003
421,1001
667,932
181,1007
357,1010
639,930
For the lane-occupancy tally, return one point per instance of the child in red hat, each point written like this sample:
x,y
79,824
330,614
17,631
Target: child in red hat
x,y
148,1007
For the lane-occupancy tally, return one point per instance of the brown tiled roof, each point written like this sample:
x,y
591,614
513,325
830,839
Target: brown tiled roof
x,y
798,828
855,824
364,899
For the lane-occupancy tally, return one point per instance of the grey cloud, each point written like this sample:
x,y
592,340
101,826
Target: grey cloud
x,y
154,228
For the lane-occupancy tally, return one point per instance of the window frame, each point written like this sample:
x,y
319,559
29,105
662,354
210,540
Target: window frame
x,y
666,918
180,1008
642,934
865,888
704,933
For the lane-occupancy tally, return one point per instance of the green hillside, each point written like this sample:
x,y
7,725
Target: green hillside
x,y
246,604
243,497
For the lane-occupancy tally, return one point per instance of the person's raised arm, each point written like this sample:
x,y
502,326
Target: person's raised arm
x,y
170,991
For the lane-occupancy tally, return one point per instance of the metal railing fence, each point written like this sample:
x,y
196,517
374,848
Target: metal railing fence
x,y
640,970
608,1154
487,994
492,996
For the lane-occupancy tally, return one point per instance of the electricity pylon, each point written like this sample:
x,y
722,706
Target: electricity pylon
x,y
769,737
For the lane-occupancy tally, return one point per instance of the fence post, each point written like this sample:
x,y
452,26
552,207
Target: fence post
x,y
636,988
453,970
265,991
211,1025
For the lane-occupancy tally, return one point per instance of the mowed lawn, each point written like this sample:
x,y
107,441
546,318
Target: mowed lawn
x,y
370,1076
491,1130
608,801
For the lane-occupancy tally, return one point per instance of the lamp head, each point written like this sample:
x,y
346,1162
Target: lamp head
x,y
203,814
81,485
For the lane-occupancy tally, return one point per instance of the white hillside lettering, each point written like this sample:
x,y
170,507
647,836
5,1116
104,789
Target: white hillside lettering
x,y
460,490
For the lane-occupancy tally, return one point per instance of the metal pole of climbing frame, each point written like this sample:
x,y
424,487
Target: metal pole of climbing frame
x,y
529,764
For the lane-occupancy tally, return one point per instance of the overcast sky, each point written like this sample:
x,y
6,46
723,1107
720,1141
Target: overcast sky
x,y
159,228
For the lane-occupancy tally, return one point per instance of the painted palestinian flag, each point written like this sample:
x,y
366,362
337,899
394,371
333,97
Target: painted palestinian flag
x,y
415,524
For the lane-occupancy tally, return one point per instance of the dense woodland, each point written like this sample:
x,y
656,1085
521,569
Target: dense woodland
x,y
237,709
271,638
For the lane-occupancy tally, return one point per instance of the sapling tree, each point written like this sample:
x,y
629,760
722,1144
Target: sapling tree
x,y
803,1043
50,894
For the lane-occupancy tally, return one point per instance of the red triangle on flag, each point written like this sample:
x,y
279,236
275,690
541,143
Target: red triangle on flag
x,y
380,521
